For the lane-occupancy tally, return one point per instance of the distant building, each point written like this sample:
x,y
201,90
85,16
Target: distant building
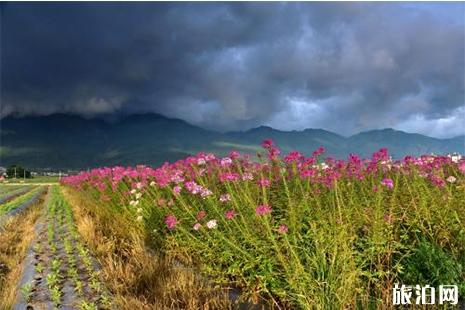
x,y
455,157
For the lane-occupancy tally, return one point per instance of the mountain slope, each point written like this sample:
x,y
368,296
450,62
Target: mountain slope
x,y
62,141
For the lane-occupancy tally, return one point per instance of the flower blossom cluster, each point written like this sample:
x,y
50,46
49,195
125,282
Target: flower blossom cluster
x,y
208,176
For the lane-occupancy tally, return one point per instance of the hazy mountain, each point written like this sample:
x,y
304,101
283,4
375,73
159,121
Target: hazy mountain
x,y
62,141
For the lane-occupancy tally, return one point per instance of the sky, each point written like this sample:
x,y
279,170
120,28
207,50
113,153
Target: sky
x,y
344,67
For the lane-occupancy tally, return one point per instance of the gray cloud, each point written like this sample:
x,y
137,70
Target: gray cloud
x,y
345,67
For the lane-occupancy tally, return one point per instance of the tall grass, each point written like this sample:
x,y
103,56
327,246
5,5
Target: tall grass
x,y
15,238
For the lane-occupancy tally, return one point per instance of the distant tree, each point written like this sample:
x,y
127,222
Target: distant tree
x,y
18,172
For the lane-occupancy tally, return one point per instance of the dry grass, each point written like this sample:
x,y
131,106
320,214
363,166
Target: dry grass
x,y
14,242
137,278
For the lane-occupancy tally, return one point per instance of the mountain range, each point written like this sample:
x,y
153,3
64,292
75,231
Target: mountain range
x,y
62,141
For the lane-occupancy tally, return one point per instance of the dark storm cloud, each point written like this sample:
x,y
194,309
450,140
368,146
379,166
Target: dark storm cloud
x,y
344,67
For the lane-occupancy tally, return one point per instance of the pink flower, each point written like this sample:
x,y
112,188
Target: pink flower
x,y
234,154
283,229
387,182
230,214
462,167
319,151
228,176
225,197
308,173
273,153
176,189
201,214
264,183
438,181
267,143
170,221
210,157
197,226
263,210
293,156
225,162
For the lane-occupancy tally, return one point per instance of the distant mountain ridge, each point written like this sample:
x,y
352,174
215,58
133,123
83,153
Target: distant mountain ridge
x,y
61,141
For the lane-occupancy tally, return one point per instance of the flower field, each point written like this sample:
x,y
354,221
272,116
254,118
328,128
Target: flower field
x,y
290,231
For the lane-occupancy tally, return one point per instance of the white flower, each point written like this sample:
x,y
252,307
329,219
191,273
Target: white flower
x,y
138,195
139,185
451,179
197,226
136,203
139,210
205,192
455,157
132,202
152,183
225,197
211,224
247,176
140,218
133,191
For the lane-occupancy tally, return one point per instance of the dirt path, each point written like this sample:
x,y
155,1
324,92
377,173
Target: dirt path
x,y
59,272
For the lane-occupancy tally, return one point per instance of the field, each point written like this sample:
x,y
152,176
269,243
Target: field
x,y
271,232
34,180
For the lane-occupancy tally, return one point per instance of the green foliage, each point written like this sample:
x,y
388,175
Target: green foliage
x,y
17,171
433,265
26,292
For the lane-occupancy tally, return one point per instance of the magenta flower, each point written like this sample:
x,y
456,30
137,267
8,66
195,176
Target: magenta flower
x,y
318,151
273,153
170,221
387,182
438,181
263,210
230,214
267,143
283,229
293,156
